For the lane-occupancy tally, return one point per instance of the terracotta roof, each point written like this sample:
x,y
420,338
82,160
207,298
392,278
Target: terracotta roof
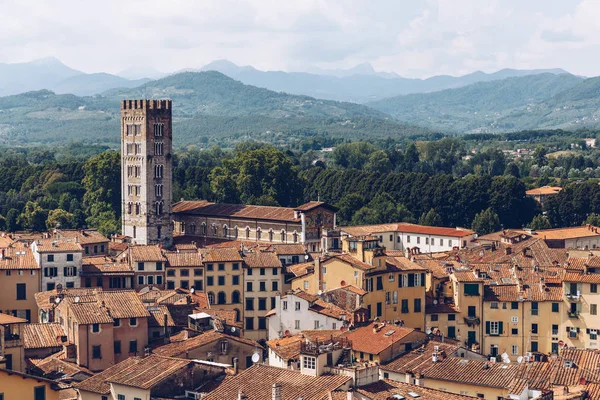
x,y
404,264
440,308
55,363
407,228
186,247
84,236
311,298
185,259
302,269
567,233
18,257
289,347
5,240
222,255
202,207
157,317
331,310
501,293
347,258
364,339
57,245
466,276
42,299
146,253
39,336
228,316
137,372
256,383
350,288
6,319
123,304
580,277
90,313
544,190
362,230
262,259
178,348
288,249
105,266
386,389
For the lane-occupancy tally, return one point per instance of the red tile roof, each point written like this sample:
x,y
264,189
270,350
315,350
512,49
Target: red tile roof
x,y
222,255
288,249
262,259
544,190
39,336
184,259
256,383
146,253
407,228
18,257
366,340
386,389
179,348
202,207
57,245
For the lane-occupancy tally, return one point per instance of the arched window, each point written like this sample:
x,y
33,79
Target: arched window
x,y
134,232
237,315
235,297
182,226
283,235
204,229
258,233
270,235
159,207
247,232
193,228
225,231
138,207
221,298
129,207
211,298
295,235
214,229
235,232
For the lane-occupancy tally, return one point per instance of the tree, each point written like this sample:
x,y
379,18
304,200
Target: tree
x,y
593,219
347,206
432,218
102,181
104,219
539,156
486,222
540,222
12,224
411,158
33,217
379,162
512,169
59,218
365,216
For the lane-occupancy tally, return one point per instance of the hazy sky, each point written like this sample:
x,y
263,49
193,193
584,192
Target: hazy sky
x,y
412,38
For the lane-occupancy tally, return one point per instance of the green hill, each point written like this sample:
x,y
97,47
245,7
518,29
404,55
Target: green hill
x,y
478,107
207,106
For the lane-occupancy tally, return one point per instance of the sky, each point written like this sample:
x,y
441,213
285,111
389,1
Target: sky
x,y
413,38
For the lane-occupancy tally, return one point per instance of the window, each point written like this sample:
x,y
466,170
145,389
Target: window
x,y
554,307
417,305
514,331
235,266
379,283
534,308
120,397
69,257
404,306
132,321
21,291
554,329
434,317
223,346
221,280
39,393
249,303
140,280
306,285
494,305
317,324
221,267
248,286
210,267
262,303
297,306
140,266
210,280
235,297
235,279
50,257
150,280
171,272
198,272
198,284
514,305
211,298
534,329
117,322
284,306
395,297
471,289
133,347
159,267
534,346
262,271
221,298
95,328
274,286
515,350
262,286
249,323
387,298
297,324
96,352
309,362
494,328
117,346
593,288
593,309
451,317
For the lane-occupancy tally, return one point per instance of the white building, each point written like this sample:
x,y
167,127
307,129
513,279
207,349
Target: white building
x,y
401,236
299,311
59,261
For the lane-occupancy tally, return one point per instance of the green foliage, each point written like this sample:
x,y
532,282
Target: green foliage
x,y
432,218
102,182
103,218
59,218
486,222
593,219
540,222
382,209
33,217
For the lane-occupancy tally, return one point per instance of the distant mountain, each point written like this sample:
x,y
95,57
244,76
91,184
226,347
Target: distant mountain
x,y
482,106
205,105
360,84
52,74
135,73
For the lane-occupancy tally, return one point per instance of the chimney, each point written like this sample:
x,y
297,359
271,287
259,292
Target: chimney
x,y
241,395
235,366
508,251
276,392
350,394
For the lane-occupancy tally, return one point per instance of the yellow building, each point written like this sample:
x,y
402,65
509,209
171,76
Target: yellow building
x,y
17,385
468,299
580,321
184,270
12,351
224,279
20,277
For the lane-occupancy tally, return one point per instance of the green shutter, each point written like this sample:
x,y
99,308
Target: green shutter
x,y
500,327
423,279
487,327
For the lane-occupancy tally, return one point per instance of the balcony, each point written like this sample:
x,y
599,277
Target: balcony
x,y
324,346
573,314
472,321
573,297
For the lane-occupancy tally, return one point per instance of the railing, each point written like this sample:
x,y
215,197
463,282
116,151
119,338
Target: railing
x,y
573,297
472,321
573,314
324,346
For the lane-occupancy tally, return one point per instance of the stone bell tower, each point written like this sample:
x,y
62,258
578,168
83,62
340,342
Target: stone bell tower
x,y
146,171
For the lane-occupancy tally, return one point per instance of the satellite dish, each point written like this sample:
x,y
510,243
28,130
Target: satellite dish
x,y
320,292
428,331
520,359
76,299
435,302
233,329
504,355
192,290
255,357
57,300
306,257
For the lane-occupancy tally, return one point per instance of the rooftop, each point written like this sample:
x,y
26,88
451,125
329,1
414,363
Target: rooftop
x,y
57,245
39,336
376,337
544,190
146,253
362,230
223,254
178,348
262,259
387,389
203,207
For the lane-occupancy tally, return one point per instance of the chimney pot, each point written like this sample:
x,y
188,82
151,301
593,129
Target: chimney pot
x,y
276,391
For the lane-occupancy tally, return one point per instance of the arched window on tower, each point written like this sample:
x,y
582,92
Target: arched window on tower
x,y
129,207
225,231
270,235
221,298
214,229
258,233
204,228
134,232
247,232
235,232
295,236
283,235
182,226
138,207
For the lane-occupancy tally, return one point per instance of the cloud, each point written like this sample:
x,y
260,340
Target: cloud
x,y
415,39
